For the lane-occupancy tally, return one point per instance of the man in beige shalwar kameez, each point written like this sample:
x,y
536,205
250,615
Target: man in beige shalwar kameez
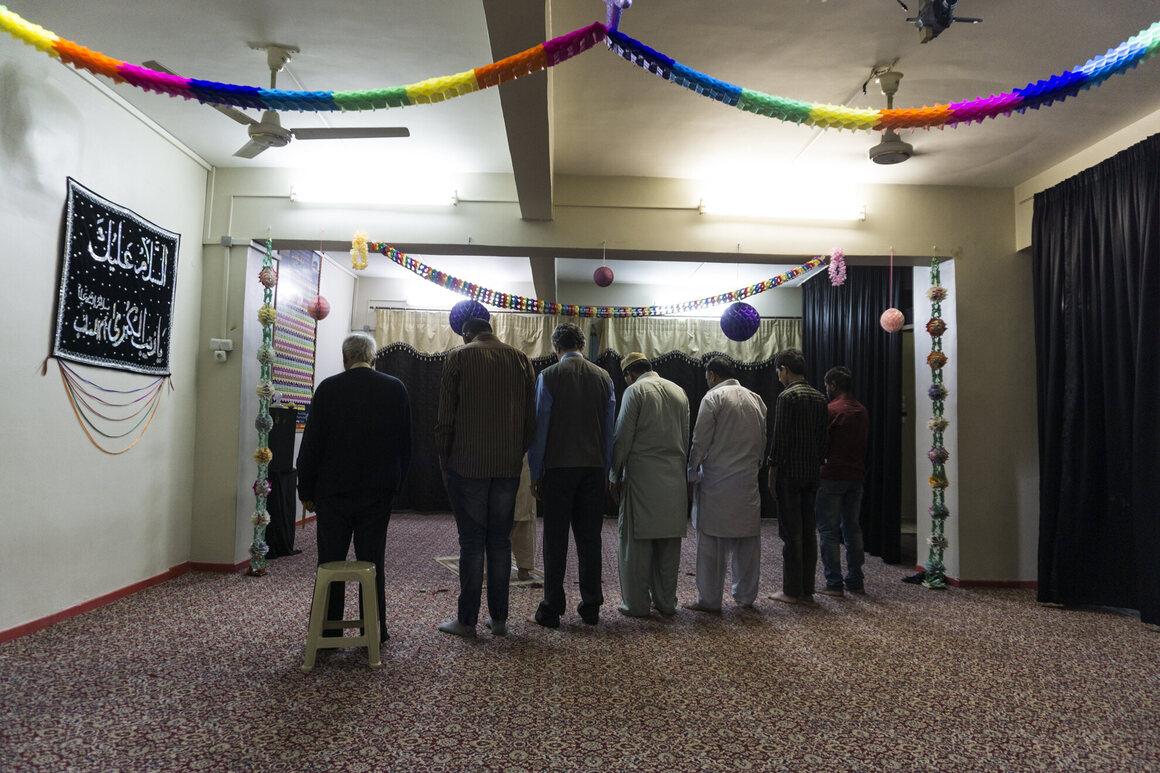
x,y
647,477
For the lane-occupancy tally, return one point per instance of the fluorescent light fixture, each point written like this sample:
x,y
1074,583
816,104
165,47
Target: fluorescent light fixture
x,y
785,209
790,202
364,191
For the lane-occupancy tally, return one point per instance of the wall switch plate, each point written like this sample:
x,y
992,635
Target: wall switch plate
x,y
221,344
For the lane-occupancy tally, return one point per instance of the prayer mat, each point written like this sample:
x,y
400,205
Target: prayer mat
x,y
536,581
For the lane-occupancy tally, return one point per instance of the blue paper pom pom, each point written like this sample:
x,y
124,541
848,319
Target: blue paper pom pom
x,y
740,321
465,310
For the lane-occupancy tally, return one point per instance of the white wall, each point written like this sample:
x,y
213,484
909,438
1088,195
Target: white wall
x,y
77,523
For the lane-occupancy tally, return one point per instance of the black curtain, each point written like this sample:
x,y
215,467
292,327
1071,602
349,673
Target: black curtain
x,y
840,327
1096,276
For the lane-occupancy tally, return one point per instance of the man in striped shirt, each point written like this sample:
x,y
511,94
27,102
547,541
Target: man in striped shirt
x,y
796,452
486,421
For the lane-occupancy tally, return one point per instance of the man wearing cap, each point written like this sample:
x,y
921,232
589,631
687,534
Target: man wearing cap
x,y
647,479
485,424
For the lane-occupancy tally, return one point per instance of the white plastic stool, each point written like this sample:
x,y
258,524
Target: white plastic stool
x,y
362,572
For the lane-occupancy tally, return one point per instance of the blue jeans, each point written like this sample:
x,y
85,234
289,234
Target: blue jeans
x,y
837,507
484,509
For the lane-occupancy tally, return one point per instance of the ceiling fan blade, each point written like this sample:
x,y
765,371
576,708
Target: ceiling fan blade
x,y
350,134
237,115
250,149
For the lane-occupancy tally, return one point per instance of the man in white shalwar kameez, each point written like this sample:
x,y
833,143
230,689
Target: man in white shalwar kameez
x,y
647,477
726,454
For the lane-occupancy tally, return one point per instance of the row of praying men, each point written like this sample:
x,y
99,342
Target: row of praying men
x,y
494,414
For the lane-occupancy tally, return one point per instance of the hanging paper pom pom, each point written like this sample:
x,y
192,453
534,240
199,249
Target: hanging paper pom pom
x,y
937,293
259,549
267,315
937,392
740,321
268,277
465,310
263,455
603,276
892,320
938,481
937,424
266,354
938,455
318,307
939,512
837,267
262,487
358,251
264,423
938,542
265,389
936,360
936,327
260,518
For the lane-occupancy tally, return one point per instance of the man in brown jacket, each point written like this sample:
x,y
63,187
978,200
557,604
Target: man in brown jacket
x,y
487,417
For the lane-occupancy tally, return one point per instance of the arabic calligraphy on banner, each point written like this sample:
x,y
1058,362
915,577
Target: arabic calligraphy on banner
x,y
117,286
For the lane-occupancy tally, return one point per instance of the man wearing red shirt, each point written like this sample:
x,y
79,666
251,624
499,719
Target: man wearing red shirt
x,y
839,498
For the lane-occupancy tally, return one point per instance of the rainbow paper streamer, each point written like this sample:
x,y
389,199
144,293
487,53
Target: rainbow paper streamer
x,y
552,52
514,302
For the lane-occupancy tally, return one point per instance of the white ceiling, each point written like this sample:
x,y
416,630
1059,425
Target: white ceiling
x,y
607,117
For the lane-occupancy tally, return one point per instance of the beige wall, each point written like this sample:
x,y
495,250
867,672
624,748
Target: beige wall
x,y
77,523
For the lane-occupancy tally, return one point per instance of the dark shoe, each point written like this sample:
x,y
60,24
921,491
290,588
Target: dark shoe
x,y
548,621
591,619
859,590
383,635
456,628
497,627
523,575
828,591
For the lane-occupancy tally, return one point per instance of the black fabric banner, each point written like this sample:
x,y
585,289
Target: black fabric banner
x,y
840,326
1095,244
117,285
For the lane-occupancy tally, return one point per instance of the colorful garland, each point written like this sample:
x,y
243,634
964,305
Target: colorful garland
x,y
264,423
938,455
514,302
552,52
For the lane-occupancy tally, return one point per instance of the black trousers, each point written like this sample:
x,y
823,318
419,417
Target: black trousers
x,y
573,498
797,528
363,517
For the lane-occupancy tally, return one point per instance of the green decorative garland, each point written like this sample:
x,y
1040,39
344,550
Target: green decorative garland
x,y
264,423
938,455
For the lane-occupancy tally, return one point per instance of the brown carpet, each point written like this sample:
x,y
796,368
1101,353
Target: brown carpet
x,y
202,674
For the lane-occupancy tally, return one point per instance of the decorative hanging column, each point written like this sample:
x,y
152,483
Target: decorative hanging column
x,y
266,356
938,455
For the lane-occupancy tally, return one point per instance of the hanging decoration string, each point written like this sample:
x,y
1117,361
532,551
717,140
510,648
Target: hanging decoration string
x,y
71,381
935,568
264,423
513,302
1042,93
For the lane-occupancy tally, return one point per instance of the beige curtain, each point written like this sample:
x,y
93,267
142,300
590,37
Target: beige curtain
x,y
657,335
430,331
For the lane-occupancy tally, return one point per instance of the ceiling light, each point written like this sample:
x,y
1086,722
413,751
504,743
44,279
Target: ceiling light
x,y
805,208
373,193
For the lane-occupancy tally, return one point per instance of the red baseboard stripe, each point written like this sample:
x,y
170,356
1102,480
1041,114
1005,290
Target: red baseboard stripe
x,y
35,625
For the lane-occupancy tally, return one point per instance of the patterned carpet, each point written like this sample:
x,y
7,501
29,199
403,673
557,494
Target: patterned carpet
x,y
202,674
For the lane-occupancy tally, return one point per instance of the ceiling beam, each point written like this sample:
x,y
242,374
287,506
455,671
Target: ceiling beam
x,y
514,26
544,277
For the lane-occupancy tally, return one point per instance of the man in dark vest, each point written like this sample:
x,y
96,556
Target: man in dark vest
x,y
569,460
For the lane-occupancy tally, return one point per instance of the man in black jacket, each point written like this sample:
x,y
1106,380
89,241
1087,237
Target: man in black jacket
x,y
355,452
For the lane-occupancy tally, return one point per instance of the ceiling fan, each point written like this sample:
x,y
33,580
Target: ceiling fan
x,y
269,132
892,149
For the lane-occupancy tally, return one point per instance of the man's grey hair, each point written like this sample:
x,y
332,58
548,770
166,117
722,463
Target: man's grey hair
x,y
358,347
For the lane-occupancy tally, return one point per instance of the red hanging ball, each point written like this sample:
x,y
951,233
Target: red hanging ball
x,y
602,276
318,307
892,320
